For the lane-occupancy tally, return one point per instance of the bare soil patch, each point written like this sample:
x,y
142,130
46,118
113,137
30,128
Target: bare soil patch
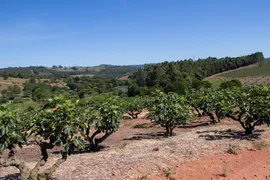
x,y
249,164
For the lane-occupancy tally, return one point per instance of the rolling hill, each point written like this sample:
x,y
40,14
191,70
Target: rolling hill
x,y
249,75
59,71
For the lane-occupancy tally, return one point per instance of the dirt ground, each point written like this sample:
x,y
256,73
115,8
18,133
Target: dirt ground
x,y
248,165
139,150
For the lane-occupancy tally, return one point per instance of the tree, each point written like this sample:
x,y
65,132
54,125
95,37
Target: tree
x,y
134,106
58,123
5,75
133,90
12,134
204,101
167,74
178,87
11,92
250,106
32,80
105,119
260,59
40,94
169,111
231,84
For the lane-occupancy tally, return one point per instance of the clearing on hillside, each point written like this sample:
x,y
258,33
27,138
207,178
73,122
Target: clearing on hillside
x,y
249,75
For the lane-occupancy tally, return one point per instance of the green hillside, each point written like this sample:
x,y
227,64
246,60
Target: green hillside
x,y
64,72
250,75
255,70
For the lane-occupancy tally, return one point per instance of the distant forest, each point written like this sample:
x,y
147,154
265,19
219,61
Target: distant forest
x,y
65,72
180,75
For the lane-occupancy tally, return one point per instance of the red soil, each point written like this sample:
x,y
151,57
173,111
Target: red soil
x,y
248,165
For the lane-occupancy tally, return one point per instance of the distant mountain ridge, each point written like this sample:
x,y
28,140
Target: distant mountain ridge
x,y
267,58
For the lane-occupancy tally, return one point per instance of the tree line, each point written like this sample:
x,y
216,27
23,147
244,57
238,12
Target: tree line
x,y
182,75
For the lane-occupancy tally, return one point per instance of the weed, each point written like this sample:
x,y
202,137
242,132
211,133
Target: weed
x,y
143,177
143,126
127,124
259,145
225,172
123,145
232,149
167,172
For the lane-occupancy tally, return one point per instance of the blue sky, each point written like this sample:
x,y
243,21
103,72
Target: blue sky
x,y
92,32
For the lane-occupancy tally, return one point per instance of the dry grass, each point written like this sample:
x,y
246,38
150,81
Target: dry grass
x,y
259,145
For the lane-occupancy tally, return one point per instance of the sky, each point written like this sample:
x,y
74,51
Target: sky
x,y
124,32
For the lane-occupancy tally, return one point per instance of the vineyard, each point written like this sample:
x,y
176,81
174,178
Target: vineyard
x,y
71,126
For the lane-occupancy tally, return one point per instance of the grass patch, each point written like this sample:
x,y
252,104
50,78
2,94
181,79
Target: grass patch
x,y
4,86
127,124
250,75
168,172
232,149
259,145
26,104
143,126
224,169
123,145
252,71
144,177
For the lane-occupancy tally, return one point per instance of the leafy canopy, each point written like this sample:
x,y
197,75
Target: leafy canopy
x,y
12,131
169,110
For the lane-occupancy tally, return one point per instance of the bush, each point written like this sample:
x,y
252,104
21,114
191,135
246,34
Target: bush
x,y
134,106
231,84
105,119
169,111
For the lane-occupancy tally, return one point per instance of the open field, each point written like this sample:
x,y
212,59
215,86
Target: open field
x,y
123,78
139,150
13,81
250,75
3,86
26,104
81,75
20,81
249,71
10,82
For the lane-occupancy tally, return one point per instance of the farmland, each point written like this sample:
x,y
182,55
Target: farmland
x,y
250,75
251,71
134,90
64,72
146,131
13,81
4,84
139,150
